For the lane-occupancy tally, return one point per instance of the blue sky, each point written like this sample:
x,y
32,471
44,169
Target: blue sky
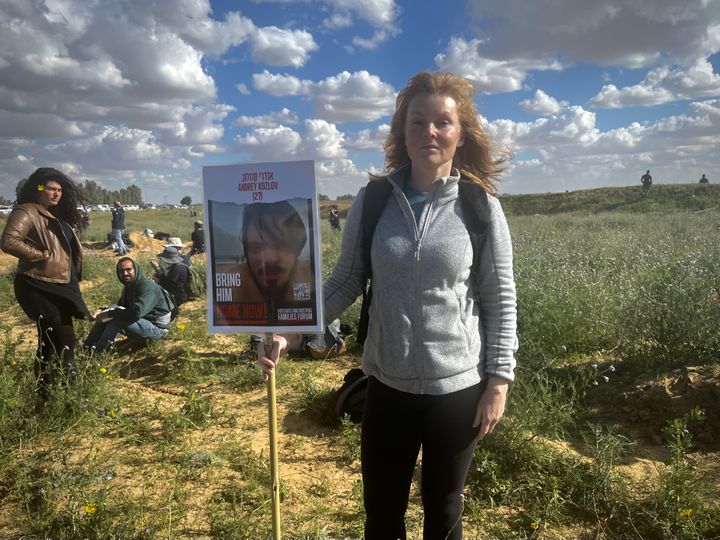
x,y
586,93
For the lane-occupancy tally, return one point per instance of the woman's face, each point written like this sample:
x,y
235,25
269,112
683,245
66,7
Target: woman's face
x,y
50,195
433,132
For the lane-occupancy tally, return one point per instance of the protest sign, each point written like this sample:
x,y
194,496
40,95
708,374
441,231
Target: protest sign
x,y
263,248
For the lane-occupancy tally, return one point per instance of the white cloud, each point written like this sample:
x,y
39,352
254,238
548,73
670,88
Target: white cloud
x,y
200,125
663,85
377,39
369,140
269,120
488,75
633,34
108,148
353,97
267,144
320,140
380,13
542,104
574,154
574,126
345,97
337,21
280,47
280,85
243,89
129,79
339,177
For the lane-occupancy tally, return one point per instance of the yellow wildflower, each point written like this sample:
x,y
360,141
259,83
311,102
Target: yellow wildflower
x,y
109,377
113,414
181,327
90,508
192,396
686,513
13,363
103,370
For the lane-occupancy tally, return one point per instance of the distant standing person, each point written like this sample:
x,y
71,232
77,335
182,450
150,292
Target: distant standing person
x,y
39,232
198,239
334,218
704,180
118,227
646,180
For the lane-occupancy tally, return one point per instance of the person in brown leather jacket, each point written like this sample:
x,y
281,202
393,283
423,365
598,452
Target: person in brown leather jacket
x,y
40,232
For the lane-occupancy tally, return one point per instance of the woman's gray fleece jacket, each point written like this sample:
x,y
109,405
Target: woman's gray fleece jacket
x,y
429,333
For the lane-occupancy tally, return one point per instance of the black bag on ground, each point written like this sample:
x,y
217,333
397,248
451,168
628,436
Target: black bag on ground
x,y
172,303
350,397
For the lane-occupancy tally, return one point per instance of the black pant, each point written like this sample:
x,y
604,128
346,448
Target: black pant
x,y
56,352
395,425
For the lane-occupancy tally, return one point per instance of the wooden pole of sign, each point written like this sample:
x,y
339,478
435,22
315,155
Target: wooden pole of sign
x,y
272,422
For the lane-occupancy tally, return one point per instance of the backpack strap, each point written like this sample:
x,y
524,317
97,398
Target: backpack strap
x,y
376,195
476,212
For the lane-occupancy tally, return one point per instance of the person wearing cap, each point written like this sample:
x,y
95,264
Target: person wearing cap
x,y
141,313
173,274
198,239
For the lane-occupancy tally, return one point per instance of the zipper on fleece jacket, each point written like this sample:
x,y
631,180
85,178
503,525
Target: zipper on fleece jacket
x,y
420,233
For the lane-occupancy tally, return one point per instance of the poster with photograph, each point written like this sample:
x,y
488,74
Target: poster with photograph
x,y
263,246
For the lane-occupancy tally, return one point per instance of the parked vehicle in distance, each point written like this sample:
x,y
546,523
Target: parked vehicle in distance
x,y
5,210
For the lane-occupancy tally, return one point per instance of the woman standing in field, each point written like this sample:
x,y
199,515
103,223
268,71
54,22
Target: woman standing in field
x,y
440,347
39,232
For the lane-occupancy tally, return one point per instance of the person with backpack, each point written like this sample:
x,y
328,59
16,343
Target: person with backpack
x,y
173,274
441,336
142,313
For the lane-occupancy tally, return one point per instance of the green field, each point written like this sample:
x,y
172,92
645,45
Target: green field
x,y
612,430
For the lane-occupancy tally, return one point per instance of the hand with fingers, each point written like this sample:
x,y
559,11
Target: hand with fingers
x,y
491,406
268,355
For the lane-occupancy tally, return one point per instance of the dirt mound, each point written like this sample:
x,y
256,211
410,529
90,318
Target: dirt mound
x,y
651,404
146,244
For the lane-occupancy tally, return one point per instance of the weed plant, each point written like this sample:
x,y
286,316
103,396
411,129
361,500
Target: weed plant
x,y
638,291
639,286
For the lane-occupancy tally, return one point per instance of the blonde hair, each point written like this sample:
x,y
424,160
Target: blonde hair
x,y
478,160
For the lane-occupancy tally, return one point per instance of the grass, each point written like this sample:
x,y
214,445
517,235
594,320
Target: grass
x,y
172,441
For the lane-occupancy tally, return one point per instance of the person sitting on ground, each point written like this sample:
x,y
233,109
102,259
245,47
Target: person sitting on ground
x,y
198,239
142,312
173,274
178,244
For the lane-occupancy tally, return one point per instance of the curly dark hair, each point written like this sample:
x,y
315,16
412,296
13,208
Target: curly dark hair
x,y
67,209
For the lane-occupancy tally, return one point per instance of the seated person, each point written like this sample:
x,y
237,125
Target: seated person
x,y
198,239
177,243
141,313
173,274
